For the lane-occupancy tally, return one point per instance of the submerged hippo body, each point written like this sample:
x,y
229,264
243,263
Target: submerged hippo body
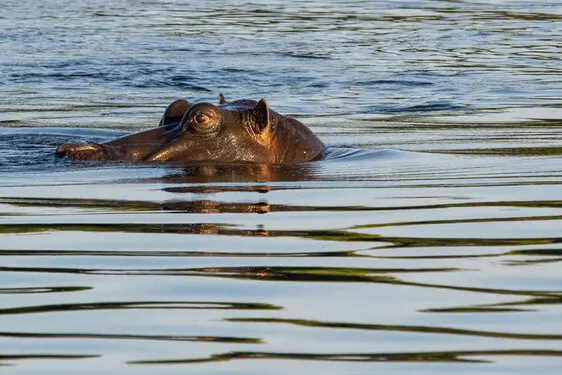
x,y
238,131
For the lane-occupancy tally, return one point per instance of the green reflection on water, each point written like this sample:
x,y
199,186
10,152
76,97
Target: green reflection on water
x,y
399,328
453,356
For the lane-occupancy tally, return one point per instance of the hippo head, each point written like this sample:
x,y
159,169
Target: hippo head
x,y
239,131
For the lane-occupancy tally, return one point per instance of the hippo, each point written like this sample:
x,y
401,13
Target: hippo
x,y
238,131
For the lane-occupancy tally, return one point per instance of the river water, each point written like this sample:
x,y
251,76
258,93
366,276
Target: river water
x,y
428,242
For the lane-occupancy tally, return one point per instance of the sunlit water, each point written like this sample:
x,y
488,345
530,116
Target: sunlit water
x,y
428,242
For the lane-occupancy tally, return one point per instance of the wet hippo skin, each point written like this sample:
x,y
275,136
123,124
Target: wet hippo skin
x,y
238,131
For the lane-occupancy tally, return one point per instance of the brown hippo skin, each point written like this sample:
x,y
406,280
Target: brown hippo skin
x,y
237,131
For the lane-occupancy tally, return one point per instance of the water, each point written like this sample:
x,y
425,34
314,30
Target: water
x,y
428,241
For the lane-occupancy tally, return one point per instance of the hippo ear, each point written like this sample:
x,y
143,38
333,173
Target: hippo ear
x,y
260,115
175,111
222,100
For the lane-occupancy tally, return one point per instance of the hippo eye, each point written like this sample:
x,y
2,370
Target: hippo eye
x,y
201,118
203,121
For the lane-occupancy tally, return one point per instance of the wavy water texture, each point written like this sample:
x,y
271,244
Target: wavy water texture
x,y
427,242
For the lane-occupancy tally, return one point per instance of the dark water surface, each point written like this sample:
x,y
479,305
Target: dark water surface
x,y
430,241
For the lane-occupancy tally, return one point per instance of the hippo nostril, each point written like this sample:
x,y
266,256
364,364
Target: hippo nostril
x,y
81,151
61,150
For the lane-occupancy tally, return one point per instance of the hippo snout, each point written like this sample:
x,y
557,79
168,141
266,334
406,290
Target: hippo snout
x,y
81,151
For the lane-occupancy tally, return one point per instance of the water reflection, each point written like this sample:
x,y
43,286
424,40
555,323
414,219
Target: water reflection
x,y
460,356
41,356
403,328
168,305
428,242
88,336
233,173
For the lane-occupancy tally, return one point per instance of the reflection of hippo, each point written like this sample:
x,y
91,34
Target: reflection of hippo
x,y
239,131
